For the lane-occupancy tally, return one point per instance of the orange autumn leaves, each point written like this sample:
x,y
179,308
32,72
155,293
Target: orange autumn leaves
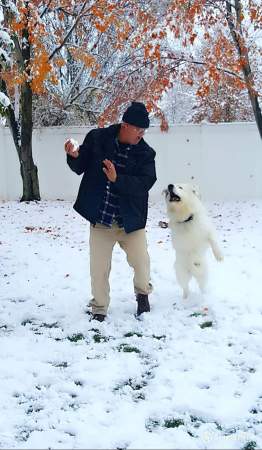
x,y
29,29
152,66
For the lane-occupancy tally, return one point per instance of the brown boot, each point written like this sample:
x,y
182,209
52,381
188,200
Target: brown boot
x,y
142,304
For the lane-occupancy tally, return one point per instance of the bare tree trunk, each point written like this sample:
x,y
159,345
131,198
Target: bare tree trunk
x,y
253,97
22,137
237,35
27,166
28,169
22,127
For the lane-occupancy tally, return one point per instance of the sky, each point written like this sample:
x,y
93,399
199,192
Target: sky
x,y
187,375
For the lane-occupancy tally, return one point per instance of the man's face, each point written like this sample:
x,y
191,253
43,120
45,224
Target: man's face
x,y
133,134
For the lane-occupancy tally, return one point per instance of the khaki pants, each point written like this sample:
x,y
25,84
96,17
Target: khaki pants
x,y
102,241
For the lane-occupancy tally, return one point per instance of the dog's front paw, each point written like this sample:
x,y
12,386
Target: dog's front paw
x,y
219,256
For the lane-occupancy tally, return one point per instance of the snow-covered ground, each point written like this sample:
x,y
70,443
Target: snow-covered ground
x,y
188,375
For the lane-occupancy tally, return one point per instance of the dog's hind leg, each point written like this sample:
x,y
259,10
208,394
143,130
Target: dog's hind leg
x,y
183,277
199,270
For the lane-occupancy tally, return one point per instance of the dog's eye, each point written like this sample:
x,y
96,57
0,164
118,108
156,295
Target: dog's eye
x,y
180,187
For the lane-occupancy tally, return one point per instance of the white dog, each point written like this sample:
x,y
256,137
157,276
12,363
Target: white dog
x,y
192,233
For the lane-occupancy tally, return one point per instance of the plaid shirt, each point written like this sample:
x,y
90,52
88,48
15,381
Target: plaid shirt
x,y
109,209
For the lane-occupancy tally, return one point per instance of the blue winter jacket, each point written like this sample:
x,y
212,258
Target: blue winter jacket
x,y
132,184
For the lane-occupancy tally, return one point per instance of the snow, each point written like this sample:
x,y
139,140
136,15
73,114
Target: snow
x,y
5,40
160,382
4,100
4,36
10,4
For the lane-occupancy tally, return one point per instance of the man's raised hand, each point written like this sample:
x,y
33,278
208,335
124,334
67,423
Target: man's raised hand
x,y
72,148
110,170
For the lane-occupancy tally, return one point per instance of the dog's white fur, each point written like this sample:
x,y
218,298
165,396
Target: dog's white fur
x,y
192,233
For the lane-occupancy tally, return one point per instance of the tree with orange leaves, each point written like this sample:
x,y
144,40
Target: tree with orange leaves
x,y
119,64
97,55
231,31
95,35
31,63
40,31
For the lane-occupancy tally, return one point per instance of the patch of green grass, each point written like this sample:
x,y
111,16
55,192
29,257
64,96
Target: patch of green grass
x,y
159,337
196,421
151,424
128,349
73,406
196,314
149,374
32,409
207,324
173,423
190,434
23,436
100,338
62,365
131,383
133,333
69,434
76,337
139,396
50,325
218,426
251,445
138,386
26,321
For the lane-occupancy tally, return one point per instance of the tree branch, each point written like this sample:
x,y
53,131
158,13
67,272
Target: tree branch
x,y
46,9
57,49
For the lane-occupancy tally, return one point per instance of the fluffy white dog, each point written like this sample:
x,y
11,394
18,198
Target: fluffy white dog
x,y
192,233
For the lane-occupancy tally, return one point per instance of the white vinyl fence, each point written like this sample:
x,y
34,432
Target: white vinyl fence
x,y
224,160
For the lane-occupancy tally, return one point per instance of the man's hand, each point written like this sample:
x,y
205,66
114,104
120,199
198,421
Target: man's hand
x,y
109,170
72,148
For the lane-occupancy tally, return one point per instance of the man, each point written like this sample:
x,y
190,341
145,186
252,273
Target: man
x,y
119,170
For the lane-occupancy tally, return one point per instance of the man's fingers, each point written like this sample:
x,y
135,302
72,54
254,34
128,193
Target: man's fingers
x,y
109,165
69,147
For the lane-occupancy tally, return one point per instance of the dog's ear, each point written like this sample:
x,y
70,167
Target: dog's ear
x,y
196,191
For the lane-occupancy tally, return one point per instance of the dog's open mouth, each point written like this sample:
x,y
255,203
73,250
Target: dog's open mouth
x,y
173,197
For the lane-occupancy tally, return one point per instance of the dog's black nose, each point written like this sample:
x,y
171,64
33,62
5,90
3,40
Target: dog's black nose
x,y
170,187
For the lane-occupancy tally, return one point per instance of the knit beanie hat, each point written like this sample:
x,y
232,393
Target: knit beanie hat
x,y
136,115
